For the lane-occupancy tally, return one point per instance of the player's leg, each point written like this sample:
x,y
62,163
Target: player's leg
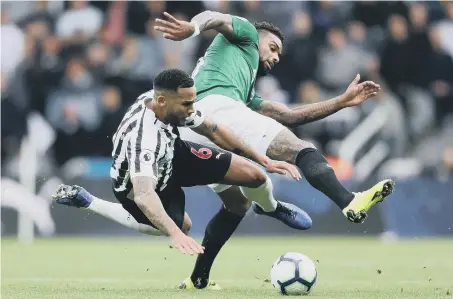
x,y
127,213
226,111
242,172
214,165
287,147
218,231
187,224
78,197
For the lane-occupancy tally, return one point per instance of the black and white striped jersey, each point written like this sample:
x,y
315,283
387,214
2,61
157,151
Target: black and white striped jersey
x,y
143,145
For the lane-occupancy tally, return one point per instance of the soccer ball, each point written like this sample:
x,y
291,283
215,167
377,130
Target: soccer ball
x,y
294,274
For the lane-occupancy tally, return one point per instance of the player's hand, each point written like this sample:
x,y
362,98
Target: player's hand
x,y
173,28
281,167
185,244
359,92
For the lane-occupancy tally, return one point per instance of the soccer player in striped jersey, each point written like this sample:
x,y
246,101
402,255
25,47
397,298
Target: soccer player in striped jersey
x,y
151,164
225,80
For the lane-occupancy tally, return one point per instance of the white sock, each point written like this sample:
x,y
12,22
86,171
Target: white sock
x,y
262,195
116,212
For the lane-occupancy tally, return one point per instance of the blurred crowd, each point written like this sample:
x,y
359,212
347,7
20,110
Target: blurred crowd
x,y
81,63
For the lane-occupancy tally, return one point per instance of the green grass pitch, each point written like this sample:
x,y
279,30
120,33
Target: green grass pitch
x,y
100,267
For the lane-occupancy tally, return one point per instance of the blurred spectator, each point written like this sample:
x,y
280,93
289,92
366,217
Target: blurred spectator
x,y
217,5
440,76
75,103
98,56
178,54
251,10
328,14
299,60
370,13
309,92
445,29
344,58
45,70
114,111
335,126
40,23
435,151
13,45
13,120
395,130
189,11
23,11
276,12
139,13
395,59
357,34
75,110
418,16
142,56
80,22
115,23
376,13
269,88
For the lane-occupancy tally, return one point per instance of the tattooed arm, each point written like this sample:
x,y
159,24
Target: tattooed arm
x,y
148,201
222,23
353,96
150,204
299,115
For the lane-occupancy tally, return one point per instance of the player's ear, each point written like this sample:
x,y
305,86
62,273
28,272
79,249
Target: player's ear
x,y
161,100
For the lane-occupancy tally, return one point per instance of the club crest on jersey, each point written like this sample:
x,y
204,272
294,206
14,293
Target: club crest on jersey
x,y
146,157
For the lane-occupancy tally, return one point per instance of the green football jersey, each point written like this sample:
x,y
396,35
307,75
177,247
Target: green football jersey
x,y
229,66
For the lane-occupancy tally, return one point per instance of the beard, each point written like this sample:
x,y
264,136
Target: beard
x,y
174,120
262,71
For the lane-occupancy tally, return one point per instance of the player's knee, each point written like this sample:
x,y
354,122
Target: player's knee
x,y
186,228
256,177
187,225
239,208
305,144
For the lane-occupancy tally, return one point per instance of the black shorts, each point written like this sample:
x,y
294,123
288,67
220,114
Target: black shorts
x,y
193,165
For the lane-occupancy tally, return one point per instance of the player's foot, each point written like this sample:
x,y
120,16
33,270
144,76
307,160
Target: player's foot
x,y
187,284
357,209
73,196
287,213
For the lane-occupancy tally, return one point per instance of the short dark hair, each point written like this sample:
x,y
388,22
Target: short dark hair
x,y
270,28
172,79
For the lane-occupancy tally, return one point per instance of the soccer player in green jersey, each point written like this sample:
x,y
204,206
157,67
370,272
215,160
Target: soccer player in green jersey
x,y
225,80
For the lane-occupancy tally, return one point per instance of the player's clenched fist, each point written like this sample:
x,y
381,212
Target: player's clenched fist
x,y
185,244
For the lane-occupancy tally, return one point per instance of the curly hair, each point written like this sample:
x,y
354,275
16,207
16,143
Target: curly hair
x,y
270,28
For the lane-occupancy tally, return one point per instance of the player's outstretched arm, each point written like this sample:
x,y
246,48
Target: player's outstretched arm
x,y
224,138
178,30
354,95
149,203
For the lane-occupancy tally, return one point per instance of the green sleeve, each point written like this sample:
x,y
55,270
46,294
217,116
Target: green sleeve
x,y
256,101
244,31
